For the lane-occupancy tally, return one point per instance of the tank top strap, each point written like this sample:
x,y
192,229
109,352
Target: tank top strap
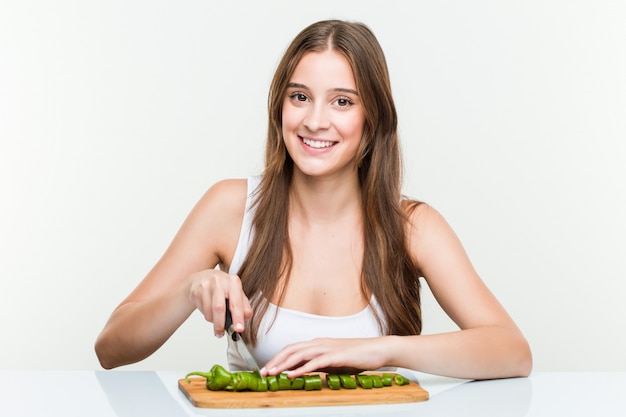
x,y
247,233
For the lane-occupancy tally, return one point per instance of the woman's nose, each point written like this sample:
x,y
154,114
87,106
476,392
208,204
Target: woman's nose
x,y
317,118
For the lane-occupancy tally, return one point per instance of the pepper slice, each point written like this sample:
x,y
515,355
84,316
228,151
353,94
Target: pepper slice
x,y
297,383
284,383
253,383
387,379
377,381
261,383
312,382
347,381
365,381
333,381
240,381
401,380
272,383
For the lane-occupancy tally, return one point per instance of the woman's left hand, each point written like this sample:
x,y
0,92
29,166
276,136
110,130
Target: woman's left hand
x,y
329,355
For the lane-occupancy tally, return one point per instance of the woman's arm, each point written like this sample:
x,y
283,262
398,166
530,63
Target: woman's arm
x,y
489,344
184,279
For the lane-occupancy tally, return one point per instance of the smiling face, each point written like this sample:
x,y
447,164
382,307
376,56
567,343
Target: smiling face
x,y
322,115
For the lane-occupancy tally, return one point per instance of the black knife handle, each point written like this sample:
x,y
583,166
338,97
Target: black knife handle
x,y
229,322
229,319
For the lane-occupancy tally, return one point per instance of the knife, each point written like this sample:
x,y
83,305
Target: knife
x,y
236,342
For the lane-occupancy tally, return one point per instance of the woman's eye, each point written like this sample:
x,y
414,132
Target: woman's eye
x,y
343,102
298,97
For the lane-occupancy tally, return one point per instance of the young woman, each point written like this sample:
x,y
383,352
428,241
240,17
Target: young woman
x,y
321,257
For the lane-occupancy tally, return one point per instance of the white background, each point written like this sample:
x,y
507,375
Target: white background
x,y
115,116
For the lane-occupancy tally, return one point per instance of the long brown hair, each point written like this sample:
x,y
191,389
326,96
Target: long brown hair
x,y
388,272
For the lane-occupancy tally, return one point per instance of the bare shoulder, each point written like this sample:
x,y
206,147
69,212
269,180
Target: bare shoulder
x,y
430,236
223,205
423,217
227,194
215,221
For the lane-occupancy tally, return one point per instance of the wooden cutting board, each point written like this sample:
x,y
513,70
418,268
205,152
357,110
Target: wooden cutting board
x,y
200,396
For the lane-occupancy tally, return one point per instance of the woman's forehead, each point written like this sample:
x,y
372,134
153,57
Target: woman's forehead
x,y
328,68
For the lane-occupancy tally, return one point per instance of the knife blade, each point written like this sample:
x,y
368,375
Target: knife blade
x,y
235,341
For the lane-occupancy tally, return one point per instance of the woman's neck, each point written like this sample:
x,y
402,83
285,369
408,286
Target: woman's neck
x,y
324,200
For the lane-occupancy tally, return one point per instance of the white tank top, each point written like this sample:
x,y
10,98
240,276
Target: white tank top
x,y
293,326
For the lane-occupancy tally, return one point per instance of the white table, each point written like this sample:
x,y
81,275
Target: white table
x,y
155,394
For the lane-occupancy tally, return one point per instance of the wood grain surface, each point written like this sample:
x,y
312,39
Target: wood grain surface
x,y
201,397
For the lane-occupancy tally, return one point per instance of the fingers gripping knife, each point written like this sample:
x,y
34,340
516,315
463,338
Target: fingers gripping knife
x,y
236,342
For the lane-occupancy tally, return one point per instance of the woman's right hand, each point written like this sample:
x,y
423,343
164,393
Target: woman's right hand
x,y
208,292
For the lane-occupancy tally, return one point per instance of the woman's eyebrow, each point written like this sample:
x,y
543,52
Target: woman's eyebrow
x,y
338,89
346,90
296,85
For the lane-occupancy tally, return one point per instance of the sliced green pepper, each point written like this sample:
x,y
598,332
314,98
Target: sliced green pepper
x,y
333,381
219,378
254,383
272,383
238,382
261,383
297,383
387,379
401,380
347,381
312,382
284,383
377,381
365,381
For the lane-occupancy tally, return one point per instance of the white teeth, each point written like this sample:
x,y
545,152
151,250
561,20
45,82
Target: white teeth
x,y
317,143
